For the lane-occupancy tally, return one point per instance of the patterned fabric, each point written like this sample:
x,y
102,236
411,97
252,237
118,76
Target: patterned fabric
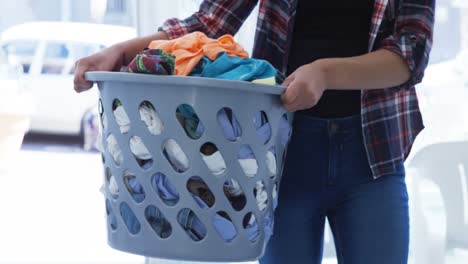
x,y
190,49
233,68
391,118
152,61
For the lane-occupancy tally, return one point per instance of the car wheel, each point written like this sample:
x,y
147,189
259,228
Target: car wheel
x,y
89,130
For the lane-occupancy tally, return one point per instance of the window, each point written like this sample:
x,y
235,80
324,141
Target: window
x,y
78,51
21,53
55,58
116,6
60,57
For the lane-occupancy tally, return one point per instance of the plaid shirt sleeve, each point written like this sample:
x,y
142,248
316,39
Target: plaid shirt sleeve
x,y
411,36
214,18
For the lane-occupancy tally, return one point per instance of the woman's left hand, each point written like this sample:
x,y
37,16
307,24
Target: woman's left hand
x,y
305,87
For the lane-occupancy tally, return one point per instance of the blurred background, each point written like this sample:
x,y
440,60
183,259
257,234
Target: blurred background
x,y
52,210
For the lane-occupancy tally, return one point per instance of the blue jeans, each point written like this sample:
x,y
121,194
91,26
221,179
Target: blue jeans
x,y
327,174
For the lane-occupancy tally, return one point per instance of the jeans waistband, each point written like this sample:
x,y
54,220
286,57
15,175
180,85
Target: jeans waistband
x,y
350,124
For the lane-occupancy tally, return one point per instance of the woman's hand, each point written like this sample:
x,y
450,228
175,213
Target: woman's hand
x,y
379,69
305,87
110,59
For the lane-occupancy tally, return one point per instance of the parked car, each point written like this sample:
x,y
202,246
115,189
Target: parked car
x,y
46,52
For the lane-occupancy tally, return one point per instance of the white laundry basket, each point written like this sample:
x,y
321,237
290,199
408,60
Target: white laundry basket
x,y
184,229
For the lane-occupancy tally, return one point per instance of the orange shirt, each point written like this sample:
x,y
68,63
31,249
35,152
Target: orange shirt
x,y
190,48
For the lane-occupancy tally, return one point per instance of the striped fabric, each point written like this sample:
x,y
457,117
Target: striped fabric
x,y
391,118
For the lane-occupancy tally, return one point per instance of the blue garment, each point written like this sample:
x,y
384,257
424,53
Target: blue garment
x,y
145,163
233,68
229,123
232,131
262,127
327,174
241,69
165,189
111,219
192,225
252,231
269,225
191,122
135,189
154,217
129,218
225,227
224,67
161,184
158,222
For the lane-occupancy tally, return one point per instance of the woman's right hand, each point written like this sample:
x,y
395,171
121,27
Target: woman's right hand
x,y
109,59
112,58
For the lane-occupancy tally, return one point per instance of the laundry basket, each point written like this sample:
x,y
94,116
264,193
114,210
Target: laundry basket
x,y
200,194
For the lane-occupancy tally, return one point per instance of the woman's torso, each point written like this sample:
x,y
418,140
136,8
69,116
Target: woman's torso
x,y
331,29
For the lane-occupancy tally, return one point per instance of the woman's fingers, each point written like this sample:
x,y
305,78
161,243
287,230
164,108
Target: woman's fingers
x,y
80,83
290,97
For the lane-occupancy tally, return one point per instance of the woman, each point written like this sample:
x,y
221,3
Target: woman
x,y
352,67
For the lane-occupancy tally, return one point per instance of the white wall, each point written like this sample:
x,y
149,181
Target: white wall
x,y
9,15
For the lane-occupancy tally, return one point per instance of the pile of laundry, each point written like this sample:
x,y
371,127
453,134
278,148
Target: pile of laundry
x,y
203,197
210,154
197,55
215,164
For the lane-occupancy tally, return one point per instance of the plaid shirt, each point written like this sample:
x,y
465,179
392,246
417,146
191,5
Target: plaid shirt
x,y
391,118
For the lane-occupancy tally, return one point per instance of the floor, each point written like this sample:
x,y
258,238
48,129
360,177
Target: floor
x,y
52,210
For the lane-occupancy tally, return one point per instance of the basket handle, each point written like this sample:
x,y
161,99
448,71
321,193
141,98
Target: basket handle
x,y
101,76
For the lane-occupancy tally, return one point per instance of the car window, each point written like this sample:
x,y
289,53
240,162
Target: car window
x,y
79,50
55,58
7,70
21,53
